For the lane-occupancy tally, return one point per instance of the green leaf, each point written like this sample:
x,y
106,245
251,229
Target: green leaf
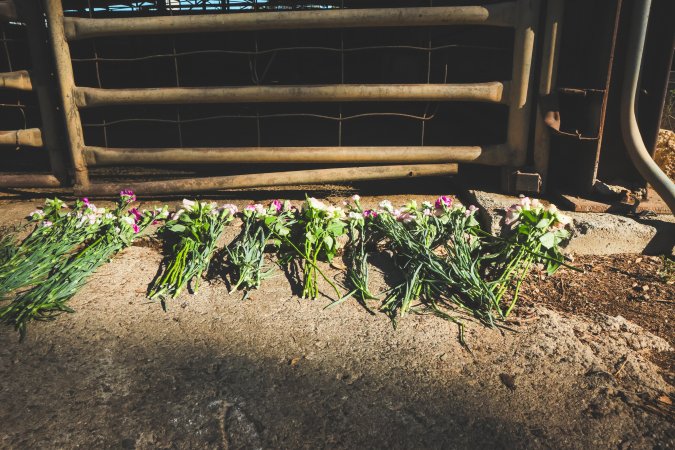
x,y
548,240
328,241
177,228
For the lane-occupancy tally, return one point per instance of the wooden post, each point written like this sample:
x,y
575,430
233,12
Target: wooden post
x,y
66,81
547,82
520,103
44,85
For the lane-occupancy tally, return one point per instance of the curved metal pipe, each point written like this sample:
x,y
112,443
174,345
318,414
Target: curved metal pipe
x,y
631,133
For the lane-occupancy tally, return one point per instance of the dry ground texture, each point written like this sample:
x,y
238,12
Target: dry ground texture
x,y
275,371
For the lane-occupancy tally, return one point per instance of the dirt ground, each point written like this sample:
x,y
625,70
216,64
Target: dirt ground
x,y
587,362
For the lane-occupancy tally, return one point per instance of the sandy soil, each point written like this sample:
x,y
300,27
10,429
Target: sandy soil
x,y
275,371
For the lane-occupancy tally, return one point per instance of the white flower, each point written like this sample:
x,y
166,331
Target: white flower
x,y
92,218
188,204
356,198
129,220
232,209
177,214
315,204
427,205
355,216
335,212
109,216
386,205
47,223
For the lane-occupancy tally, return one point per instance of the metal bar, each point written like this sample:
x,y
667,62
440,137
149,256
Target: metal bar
x,y
499,14
493,155
31,137
44,85
271,179
547,83
493,92
29,181
520,103
19,80
66,80
635,145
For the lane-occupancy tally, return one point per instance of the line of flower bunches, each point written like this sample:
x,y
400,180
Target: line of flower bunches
x,y
447,264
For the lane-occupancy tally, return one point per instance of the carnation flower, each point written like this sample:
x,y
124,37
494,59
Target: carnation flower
x,y
356,198
85,200
277,205
470,210
188,204
136,213
128,195
443,201
47,223
369,213
386,205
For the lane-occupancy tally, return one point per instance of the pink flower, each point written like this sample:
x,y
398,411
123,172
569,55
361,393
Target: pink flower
x,y
136,213
136,229
472,209
277,205
356,197
47,223
370,213
85,200
443,201
128,195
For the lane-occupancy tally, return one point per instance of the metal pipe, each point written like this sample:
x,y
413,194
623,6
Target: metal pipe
x,y
493,155
19,80
31,180
31,137
520,102
631,132
500,14
66,80
493,92
256,180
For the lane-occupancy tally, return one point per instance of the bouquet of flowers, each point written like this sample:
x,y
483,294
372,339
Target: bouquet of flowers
x,y
317,228
435,249
196,228
246,255
46,300
535,235
58,231
361,236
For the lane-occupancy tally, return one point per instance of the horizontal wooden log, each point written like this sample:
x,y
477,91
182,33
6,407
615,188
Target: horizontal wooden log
x,y
256,180
493,92
29,180
499,14
32,137
494,155
19,80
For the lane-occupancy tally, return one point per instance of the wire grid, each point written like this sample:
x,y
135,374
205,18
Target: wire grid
x,y
259,71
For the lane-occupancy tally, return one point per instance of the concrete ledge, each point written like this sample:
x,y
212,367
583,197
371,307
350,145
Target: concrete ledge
x,y
592,233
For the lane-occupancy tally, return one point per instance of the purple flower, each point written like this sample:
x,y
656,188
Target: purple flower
x,y
85,200
128,195
136,229
443,201
136,213
277,205
370,213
